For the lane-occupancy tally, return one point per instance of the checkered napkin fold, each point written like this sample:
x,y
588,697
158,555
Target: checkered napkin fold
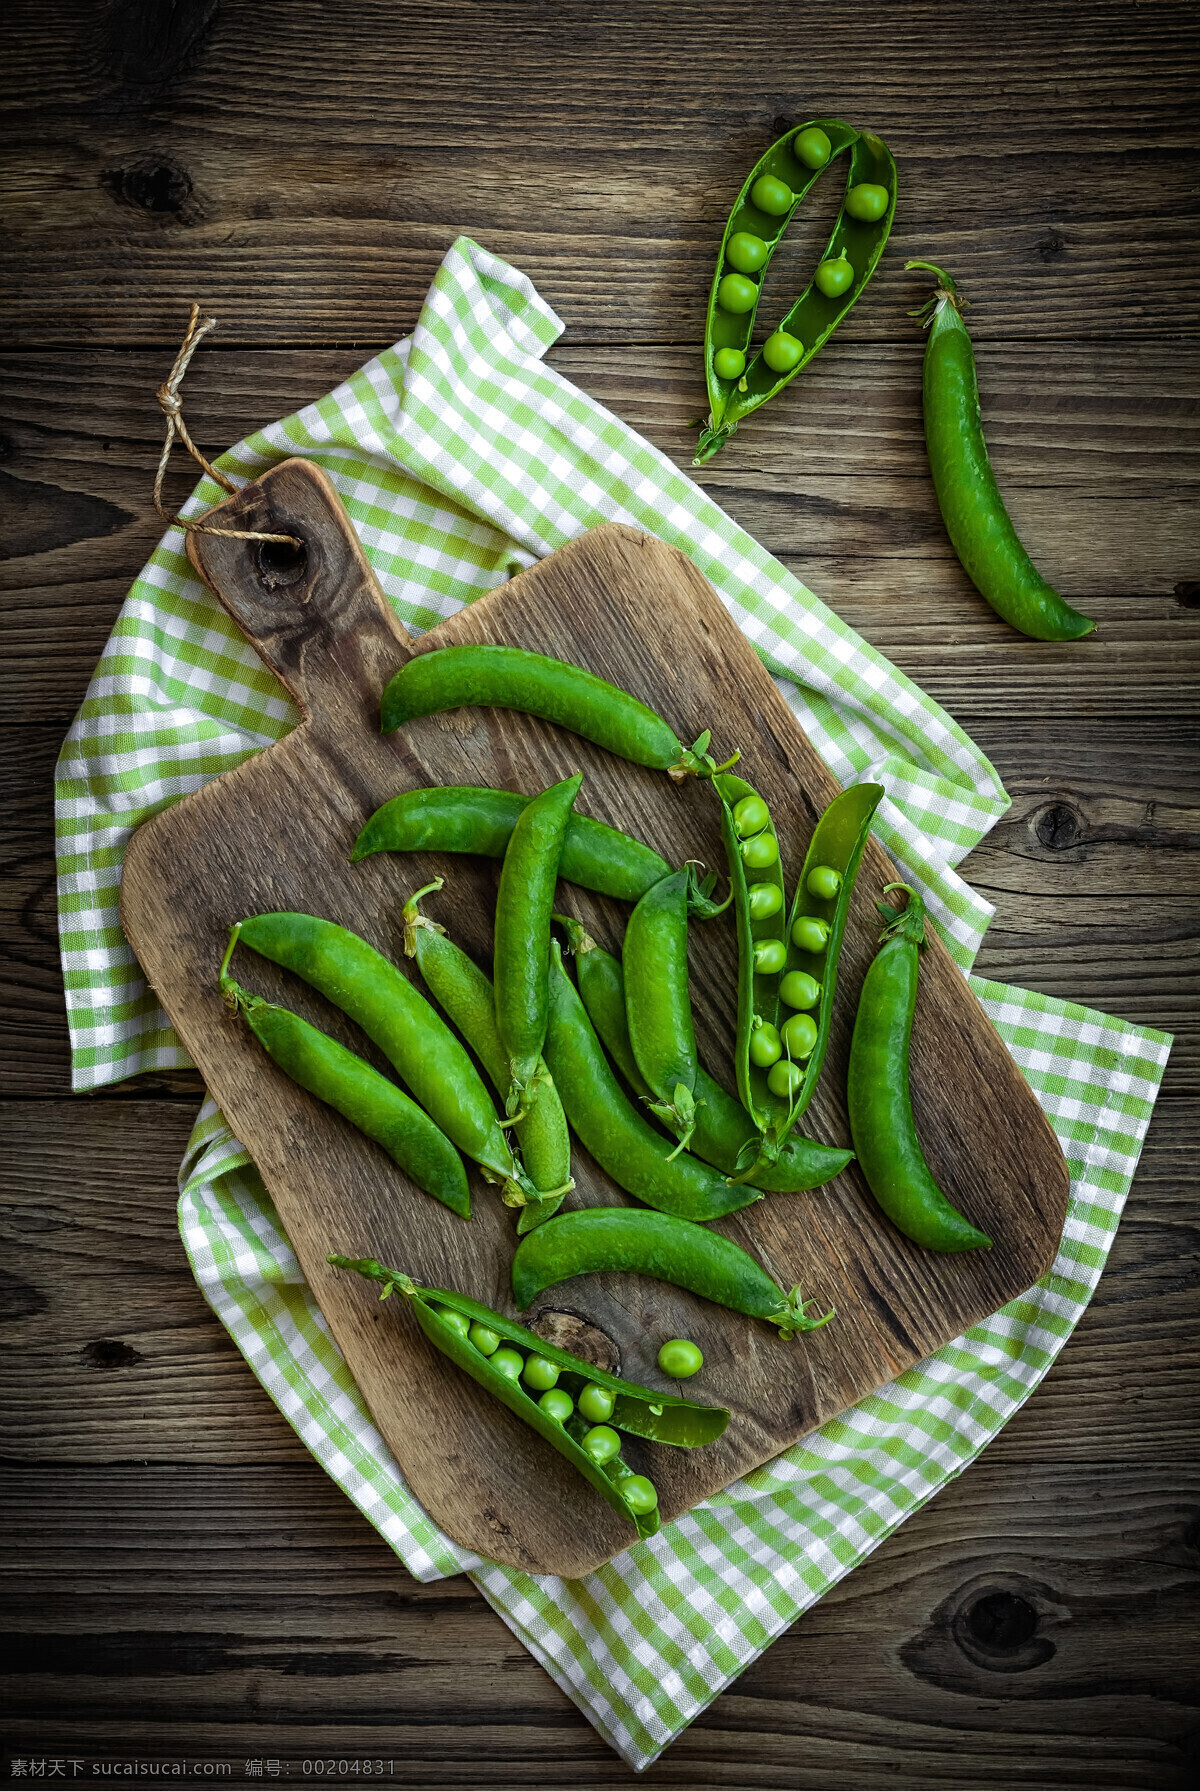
x,y
462,458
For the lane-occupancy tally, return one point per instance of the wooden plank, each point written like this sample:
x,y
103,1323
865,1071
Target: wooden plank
x,y
599,602
1031,1626
1054,170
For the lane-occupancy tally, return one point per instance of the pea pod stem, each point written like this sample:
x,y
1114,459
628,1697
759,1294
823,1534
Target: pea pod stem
x,y
977,522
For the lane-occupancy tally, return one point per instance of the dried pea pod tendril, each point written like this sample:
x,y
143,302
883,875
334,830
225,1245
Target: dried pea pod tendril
x,y
807,326
639,1411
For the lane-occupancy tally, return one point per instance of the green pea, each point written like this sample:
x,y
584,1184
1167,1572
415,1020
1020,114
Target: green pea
x,y
867,202
799,989
680,1358
737,294
770,956
765,899
810,934
601,1443
784,1078
750,815
746,252
639,1494
508,1362
834,277
485,1341
760,852
540,1374
782,352
765,1047
729,363
772,195
455,1321
823,882
799,1034
596,1403
557,1404
812,147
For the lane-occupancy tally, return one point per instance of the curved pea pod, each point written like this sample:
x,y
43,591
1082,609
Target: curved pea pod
x,y
464,818
357,1091
758,992
465,994
638,1158
552,689
812,319
724,1130
415,1040
597,1239
641,1412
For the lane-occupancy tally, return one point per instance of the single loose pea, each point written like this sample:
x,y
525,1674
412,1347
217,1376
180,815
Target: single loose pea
x,y
509,1362
485,1341
835,276
765,899
810,934
557,1404
596,1403
812,147
772,195
746,252
770,956
867,202
729,363
602,1443
765,1046
799,989
761,851
799,1034
750,815
639,1494
680,1358
454,1321
782,352
784,1078
540,1374
823,882
737,294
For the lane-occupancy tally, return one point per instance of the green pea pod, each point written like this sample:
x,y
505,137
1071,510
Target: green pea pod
x,y
979,526
552,689
810,322
758,991
415,1040
724,1130
877,1092
639,1411
466,819
598,1239
465,993
624,1144
657,1005
524,904
357,1091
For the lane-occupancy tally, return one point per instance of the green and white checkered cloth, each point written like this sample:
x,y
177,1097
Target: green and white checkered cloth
x,y
462,458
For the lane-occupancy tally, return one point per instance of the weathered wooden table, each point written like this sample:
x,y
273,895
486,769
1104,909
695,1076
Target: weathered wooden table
x,y
188,1583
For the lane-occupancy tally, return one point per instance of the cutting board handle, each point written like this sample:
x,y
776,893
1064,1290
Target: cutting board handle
x,y
315,614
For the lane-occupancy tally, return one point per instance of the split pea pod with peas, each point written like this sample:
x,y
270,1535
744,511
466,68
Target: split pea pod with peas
x,y
579,1410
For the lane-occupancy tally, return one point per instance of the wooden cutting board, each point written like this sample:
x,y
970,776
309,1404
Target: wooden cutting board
x,y
276,834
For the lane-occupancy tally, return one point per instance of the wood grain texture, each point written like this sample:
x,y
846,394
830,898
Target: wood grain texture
x,y
276,834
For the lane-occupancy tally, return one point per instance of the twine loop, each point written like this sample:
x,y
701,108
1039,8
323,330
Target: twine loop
x,y
171,404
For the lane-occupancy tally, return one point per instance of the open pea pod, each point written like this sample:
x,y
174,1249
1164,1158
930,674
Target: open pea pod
x,y
659,1417
758,992
814,316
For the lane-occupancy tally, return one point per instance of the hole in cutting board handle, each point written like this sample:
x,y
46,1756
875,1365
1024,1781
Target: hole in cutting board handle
x,y
280,564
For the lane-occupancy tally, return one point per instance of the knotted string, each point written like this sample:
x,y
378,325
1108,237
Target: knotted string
x,y
171,405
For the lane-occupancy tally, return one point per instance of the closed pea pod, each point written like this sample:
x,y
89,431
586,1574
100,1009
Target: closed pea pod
x,y
463,818
657,1005
979,526
877,1090
356,1090
599,1239
415,1040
